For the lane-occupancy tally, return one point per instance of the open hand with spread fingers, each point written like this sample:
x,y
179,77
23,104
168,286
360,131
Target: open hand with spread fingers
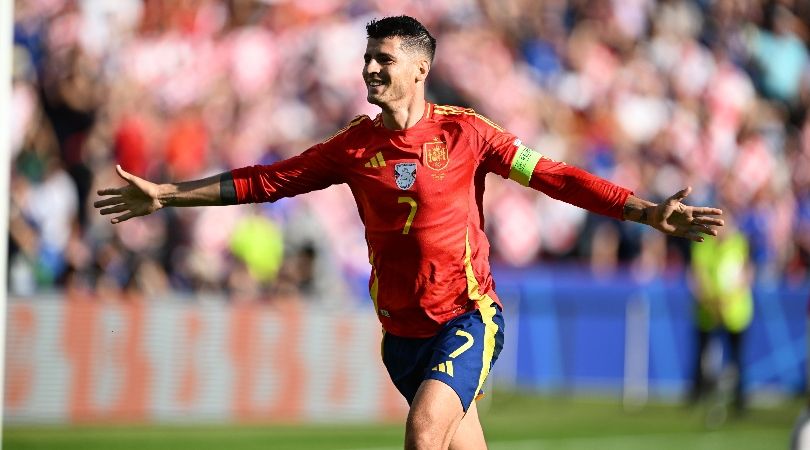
x,y
691,222
675,218
138,198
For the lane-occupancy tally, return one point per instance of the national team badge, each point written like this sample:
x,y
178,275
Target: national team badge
x,y
405,175
435,155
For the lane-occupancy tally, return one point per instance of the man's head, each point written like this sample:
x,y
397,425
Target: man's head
x,y
397,60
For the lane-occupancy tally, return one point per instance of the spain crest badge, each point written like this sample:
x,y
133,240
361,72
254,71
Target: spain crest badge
x,y
435,154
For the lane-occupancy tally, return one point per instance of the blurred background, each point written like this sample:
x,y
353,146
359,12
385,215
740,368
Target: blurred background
x,y
261,312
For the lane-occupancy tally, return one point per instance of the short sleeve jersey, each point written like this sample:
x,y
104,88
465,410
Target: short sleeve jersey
x,y
419,194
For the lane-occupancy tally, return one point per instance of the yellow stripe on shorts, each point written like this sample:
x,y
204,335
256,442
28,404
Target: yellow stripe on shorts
x,y
486,306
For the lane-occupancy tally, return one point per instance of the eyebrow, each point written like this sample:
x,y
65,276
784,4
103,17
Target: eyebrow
x,y
379,55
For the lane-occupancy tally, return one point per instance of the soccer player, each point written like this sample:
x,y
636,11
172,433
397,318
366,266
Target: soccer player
x,y
417,172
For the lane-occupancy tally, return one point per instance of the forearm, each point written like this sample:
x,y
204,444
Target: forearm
x,y
579,188
638,210
211,191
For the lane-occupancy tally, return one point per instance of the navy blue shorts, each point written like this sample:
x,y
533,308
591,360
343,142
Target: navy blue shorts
x,y
460,355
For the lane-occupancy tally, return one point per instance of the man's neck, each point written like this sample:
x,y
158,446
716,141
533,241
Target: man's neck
x,y
402,117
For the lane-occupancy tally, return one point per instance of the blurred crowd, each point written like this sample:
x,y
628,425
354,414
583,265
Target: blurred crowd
x,y
653,95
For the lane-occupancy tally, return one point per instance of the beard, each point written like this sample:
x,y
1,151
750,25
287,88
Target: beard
x,y
385,94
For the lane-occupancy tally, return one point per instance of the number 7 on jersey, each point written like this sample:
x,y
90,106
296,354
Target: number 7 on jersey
x,y
409,221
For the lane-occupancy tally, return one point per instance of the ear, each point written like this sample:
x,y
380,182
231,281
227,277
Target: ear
x,y
422,70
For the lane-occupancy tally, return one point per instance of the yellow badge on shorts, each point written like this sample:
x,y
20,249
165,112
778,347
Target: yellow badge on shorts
x,y
435,154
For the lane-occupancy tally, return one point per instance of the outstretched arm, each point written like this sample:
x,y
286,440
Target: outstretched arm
x,y
316,168
505,154
673,217
141,197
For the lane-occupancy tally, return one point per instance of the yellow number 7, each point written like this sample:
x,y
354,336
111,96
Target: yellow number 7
x,y
408,222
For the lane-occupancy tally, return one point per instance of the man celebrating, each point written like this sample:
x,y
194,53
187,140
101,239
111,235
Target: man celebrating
x,y
417,174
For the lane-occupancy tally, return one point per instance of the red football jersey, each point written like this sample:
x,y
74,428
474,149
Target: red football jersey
x,y
419,193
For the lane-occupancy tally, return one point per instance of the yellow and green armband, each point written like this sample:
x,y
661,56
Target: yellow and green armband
x,y
523,164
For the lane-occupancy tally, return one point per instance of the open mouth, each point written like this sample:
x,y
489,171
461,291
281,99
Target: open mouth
x,y
374,83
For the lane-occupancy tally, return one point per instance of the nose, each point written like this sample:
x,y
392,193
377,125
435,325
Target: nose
x,y
372,66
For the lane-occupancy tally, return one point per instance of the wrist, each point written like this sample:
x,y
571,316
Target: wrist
x,y
638,210
165,195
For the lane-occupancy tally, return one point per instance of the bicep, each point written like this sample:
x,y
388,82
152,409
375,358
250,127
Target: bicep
x,y
509,158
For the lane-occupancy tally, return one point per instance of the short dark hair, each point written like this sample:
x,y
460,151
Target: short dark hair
x,y
414,35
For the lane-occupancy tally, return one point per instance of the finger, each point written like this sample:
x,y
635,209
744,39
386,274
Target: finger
x,y
114,209
706,211
703,229
108,202
680,195
711,221
109,191
123,173
123,217
695,237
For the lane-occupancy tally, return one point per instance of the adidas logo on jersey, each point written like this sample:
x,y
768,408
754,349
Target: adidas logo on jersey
x,y
376,161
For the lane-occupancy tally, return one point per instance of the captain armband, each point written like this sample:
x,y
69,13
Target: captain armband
x,y
523,164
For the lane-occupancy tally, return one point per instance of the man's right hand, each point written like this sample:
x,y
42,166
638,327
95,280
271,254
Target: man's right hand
x,y
138,198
